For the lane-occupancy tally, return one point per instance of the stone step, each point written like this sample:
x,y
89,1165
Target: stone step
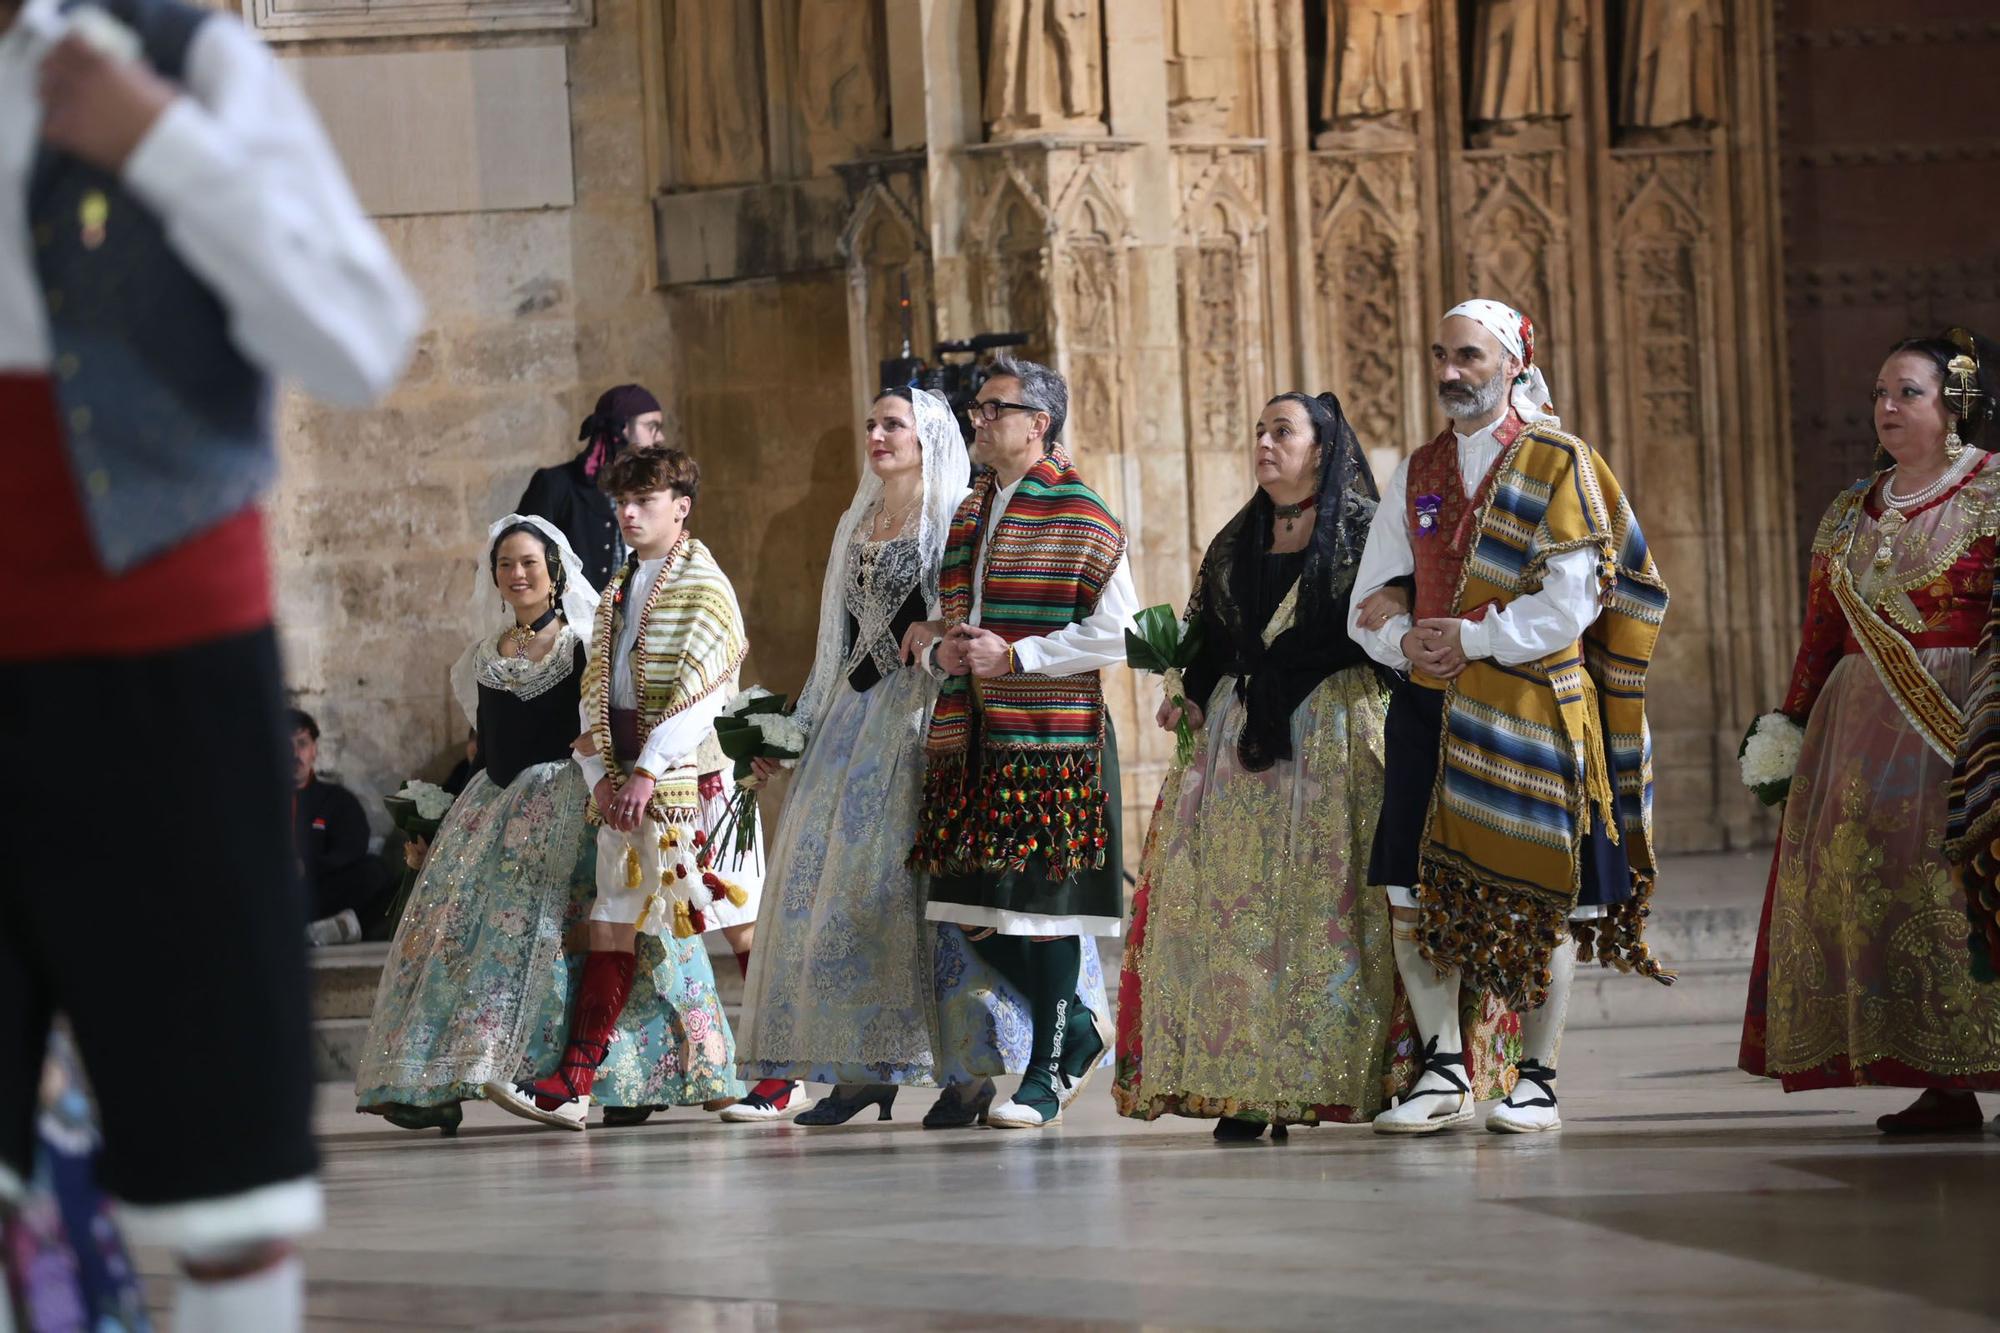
x,y
344,977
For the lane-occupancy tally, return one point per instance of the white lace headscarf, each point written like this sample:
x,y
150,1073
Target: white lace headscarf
x,y
947,472
1529,393
578,603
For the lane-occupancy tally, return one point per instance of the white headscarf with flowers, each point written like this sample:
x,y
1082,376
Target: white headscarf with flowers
x,y
1530,393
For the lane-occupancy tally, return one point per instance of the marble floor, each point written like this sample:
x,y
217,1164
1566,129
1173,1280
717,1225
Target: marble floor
x,y
1682,1194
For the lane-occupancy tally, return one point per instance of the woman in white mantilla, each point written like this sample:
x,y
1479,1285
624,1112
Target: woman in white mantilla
x,y
477,982
850,984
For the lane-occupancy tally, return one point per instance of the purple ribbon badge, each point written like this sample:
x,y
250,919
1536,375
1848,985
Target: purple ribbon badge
x,y
1427,514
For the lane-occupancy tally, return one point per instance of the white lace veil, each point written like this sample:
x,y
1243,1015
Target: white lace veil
x,y
947,473
492,614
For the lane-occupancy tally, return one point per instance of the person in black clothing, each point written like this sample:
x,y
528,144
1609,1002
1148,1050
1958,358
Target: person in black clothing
x,y
1255,862
567,494
347,886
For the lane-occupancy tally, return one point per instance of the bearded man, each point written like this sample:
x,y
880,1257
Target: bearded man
x,y
1517,814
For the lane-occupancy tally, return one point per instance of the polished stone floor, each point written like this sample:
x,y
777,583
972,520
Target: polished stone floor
x,y
1682,1195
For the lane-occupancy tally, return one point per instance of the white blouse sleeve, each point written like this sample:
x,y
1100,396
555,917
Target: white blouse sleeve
x,y
1386,555
1533,626
1091,644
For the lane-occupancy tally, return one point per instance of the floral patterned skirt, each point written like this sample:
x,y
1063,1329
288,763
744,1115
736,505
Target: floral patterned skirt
x,y
1260,979
478,985
1862,974
479,946
848,982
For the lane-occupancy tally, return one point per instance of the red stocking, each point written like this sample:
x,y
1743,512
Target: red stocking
x,y
607,981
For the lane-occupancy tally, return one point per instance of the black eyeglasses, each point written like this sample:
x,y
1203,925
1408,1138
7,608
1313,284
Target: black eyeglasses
x,y
989,409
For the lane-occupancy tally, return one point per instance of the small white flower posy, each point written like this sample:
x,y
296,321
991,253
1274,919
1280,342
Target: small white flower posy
x,y
430,799
1771,752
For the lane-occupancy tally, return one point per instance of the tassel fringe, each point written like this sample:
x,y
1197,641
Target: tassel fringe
x,y
1024,805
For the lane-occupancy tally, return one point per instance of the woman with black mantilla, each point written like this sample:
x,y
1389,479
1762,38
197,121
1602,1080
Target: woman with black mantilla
x,y
1261,964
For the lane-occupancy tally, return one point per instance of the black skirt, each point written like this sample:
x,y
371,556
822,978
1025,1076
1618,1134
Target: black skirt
x,y
1411,738
1098,893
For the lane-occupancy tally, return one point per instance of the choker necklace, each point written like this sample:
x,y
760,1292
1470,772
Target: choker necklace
x,y
520,636
1289,515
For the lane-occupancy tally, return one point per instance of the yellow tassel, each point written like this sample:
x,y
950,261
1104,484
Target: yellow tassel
x,y
1597,769
634,876
683,923
737,896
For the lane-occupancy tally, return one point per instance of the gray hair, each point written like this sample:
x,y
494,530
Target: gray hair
x,y
1041,389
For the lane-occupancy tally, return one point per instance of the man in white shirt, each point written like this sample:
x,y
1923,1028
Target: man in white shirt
x,y
1019,830
1438,521
665,651
175,235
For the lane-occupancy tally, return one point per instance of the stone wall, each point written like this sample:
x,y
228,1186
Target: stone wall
x,y
1186,204
381,515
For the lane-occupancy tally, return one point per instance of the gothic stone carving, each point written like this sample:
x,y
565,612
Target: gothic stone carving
x,y
1671,71
888,254
1527,56
843,76
1044,68
1374,67
1201,64
1220,244
1516,237
1365,230
717,94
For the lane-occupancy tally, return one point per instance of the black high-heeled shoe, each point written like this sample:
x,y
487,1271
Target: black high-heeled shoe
x,y
961,1105
847,1101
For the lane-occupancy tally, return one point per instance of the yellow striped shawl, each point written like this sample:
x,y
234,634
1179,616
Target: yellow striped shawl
x,y
1529,751
690,645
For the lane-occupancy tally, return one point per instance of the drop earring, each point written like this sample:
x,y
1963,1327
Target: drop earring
x,y
1953,446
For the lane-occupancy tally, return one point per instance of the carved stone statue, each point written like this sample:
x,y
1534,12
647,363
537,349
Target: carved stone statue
x,y
1374,59
843,78
1201,64
1526,57
1045,68
717,95
1671,72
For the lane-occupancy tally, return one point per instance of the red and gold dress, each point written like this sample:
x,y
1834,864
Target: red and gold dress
x,y
1861,973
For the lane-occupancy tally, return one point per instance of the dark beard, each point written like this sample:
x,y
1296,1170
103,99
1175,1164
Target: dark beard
x,y
1462,403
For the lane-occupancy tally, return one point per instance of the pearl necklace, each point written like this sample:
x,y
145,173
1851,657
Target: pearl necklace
x,y
1894,507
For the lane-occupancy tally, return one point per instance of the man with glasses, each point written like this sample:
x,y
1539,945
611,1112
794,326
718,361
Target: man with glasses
x,y
1019,828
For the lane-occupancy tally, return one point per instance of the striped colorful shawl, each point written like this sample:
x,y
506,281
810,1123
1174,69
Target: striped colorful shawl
x,y
1530,751
690,645
1034,792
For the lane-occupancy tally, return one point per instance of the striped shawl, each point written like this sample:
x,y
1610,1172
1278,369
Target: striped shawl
x,y
1529,751
690,645
1034,791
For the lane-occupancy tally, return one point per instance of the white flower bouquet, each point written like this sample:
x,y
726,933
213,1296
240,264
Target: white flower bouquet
x,y
756,724
418,810
1769,755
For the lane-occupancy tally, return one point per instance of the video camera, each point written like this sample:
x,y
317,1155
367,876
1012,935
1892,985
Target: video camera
x,y
954,373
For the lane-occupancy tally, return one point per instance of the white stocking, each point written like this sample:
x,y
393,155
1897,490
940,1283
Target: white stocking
x,y
270,1300
1542,1029
1433,998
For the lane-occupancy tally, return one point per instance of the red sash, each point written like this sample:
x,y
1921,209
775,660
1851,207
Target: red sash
x,y
213,585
